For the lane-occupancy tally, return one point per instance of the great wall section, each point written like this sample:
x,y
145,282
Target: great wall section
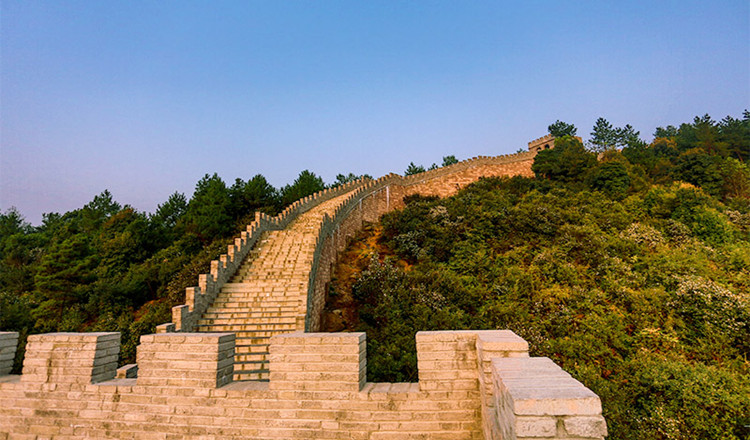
x,y
242,359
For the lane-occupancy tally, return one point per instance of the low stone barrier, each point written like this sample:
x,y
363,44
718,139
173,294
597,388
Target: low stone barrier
x,y
472,385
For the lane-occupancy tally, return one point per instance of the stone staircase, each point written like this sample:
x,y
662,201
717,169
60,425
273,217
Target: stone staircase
x,y
267,294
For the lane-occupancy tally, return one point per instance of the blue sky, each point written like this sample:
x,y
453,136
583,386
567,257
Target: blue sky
x,y
143,98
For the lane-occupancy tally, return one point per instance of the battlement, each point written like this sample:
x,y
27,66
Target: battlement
x,y
200,297
472,384
367,200
543,143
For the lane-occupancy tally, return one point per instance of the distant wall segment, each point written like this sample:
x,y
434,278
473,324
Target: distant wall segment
x,y
373,199
367,201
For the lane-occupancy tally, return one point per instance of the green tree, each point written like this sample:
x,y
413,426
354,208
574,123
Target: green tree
x,y
735,135
559,129
627,136
449,160
96,212
735,177
19,248
567,162
611,178
167,216
254,195
209,213
669,131
124,239
347,178
413,169
169,213
305,184
698,167
63,279
603,136
606,137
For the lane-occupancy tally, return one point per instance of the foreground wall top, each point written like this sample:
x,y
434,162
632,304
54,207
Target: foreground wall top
x,y
472,385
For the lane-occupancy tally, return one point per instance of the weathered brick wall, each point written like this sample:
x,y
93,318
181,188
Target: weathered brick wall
x,y
199,298
373,199
367,202
448,183
317,390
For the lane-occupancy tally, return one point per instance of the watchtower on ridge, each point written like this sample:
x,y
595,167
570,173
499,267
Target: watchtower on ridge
x,y
543,143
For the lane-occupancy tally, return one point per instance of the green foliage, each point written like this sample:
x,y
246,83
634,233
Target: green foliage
x,y
169,213
567,162
209,213
605,137
559,129
254,195
305,184
351,177
641,292
449,160
413,169
105,267
612,178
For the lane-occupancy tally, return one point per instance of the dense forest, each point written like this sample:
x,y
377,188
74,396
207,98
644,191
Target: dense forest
x,y
627,263
107,267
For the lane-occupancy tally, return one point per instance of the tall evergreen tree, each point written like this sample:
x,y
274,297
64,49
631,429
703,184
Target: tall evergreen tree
x,y
559,129
208,214
305,184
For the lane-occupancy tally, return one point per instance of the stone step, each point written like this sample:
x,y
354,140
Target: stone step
x,y
270,279
277,286
248,340
282,293
257,375
260,272
244,348
251,357
246,327
250,365
228,303
254,335
250,314
266,311
240,319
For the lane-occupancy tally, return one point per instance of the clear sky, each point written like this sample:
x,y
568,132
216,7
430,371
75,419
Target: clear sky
x,y
145,97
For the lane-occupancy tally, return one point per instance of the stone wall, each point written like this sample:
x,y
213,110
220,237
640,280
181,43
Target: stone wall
x,y
472,385
375,198
199,298
368,200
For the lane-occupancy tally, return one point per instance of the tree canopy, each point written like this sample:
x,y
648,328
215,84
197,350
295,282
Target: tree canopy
x,y
305,184
559,129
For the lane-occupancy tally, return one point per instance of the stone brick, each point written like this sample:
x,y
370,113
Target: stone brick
x,y
586,427
536,426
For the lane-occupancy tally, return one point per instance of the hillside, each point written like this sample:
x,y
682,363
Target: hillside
x,y
631,272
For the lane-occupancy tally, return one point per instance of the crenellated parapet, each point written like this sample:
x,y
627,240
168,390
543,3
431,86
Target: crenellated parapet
x,y
472,384
374,198
369,198
198,298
